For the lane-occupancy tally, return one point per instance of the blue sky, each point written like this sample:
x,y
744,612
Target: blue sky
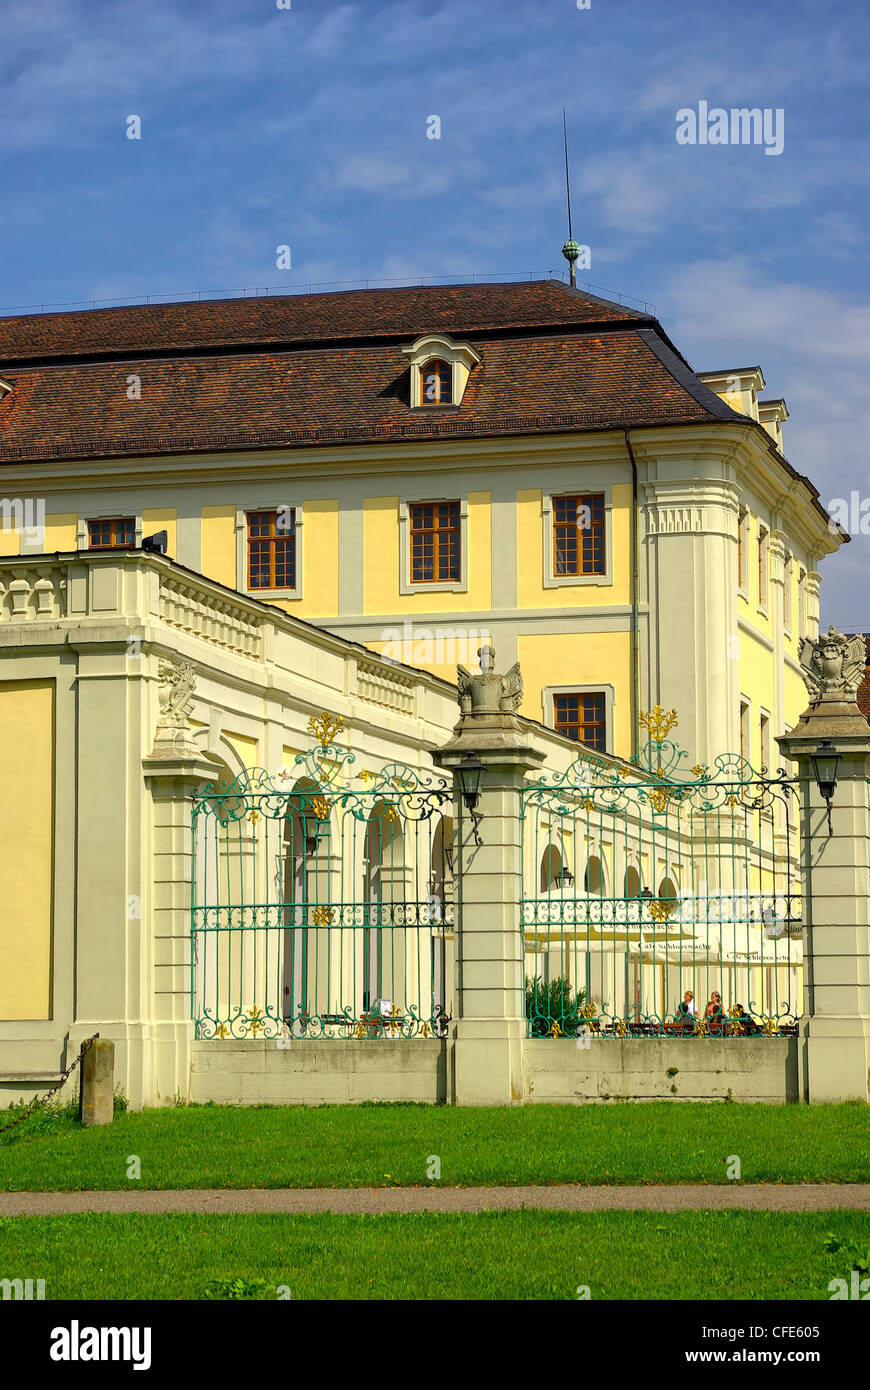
x,y
307,127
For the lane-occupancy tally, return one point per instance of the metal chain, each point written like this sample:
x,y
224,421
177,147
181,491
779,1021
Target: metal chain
x,y
43,1100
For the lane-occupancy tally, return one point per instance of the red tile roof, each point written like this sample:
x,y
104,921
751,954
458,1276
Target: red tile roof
x,y
302,370
297,370
291,319
314,396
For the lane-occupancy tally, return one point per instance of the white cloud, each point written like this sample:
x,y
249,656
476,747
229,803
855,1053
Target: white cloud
x,y
814,348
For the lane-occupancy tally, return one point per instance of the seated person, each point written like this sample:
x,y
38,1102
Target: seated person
x,y
686,1012
714,1014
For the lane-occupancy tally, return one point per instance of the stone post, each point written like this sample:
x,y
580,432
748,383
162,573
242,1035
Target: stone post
x,y
174,771
97,1094
834,1032
490,1026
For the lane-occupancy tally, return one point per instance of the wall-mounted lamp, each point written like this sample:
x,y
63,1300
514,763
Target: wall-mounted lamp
x,y
825,762
469,773
563,876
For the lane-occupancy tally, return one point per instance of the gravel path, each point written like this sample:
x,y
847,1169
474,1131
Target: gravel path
x,y
752,1197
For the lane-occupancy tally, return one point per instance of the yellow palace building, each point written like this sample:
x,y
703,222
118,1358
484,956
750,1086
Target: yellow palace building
x,y
222,520
416,469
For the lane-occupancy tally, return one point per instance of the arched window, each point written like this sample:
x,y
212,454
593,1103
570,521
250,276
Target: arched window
x,y
551,868
593,880
668,897
381,969
436,383
306,885
632,883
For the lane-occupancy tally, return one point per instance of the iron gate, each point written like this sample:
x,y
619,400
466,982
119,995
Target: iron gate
x,y
658,901
320,910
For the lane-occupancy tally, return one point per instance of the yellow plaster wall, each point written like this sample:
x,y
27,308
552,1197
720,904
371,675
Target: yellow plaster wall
x,y
61,532
734,399
245,747
795,698
218,536
530,543
26,848
161,519
589,658
756,684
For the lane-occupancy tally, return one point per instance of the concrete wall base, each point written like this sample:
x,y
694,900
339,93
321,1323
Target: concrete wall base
x,y
339,1072
475,1071
555,1071
558,1072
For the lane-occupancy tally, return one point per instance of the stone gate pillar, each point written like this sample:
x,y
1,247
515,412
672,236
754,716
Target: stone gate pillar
x,y
173,773
834,1031
489,1029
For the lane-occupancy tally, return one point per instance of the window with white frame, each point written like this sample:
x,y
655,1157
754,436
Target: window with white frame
x,y
746,730
764,738
109,531
577,537
433,544
268,549
787,593
581,712
763,567
743,550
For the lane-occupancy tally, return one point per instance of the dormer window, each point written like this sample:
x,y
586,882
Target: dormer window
x,y
437,382
5,388
440,370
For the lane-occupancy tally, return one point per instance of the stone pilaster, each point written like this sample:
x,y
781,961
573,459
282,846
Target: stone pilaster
x,y
835,1027
490,1028
172,783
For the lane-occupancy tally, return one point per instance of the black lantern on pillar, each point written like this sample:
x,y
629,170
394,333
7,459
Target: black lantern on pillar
x,y
825,761
469,772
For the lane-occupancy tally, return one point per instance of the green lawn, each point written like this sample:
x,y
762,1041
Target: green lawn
x,y
390,1145
511,1255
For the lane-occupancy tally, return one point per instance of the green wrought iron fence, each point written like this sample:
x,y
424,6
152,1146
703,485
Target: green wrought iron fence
x,y
657,901
320,909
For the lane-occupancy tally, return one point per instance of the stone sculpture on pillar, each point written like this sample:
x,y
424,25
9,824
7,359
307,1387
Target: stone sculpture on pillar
x,y
833,666
488,705
489,693
173,736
